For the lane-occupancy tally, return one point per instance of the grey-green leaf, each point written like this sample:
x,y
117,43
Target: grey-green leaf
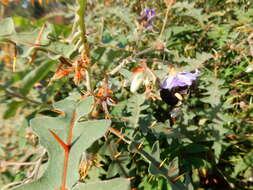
x,y
83,135
34,76
114,184
7,27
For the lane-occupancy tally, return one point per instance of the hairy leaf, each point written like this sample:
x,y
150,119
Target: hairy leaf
x,y
34,76
114,184
65,127
7,27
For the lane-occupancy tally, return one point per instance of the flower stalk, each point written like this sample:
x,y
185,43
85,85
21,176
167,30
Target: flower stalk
x,y
85,54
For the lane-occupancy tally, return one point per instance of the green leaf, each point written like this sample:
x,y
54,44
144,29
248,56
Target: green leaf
x,y
213,90
114,184
195,63
156,169
7,27
239,167
80,111
58,49
156,151
217,146
162,130
83,135
27,41
12,108
34,76
173,168
195,148
188,9
135,106
30,38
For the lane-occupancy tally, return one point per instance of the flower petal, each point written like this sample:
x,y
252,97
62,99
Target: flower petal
x,y
167,83
182,79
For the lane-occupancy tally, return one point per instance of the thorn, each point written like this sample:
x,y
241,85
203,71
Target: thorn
x,y
140,145
131,178
37,41
119,140
14,64
63,145
57,111
176,178
150,178
162,163
14,58
138,148
117,155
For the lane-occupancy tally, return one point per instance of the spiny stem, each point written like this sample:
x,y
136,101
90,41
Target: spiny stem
x,y
66,157
59,140
143,153
66,148
85,52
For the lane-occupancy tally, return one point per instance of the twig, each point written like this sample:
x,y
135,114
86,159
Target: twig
x,y
7,163
128,59
33,175
23,159
164,23
112,47
12,93
11,184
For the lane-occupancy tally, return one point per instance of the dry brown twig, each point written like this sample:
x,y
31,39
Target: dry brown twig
x,y
33,175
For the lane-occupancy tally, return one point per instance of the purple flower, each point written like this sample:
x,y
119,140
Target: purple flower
x,y
149,14
181,79
147,18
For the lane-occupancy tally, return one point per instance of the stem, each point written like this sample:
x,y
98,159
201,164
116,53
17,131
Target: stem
x,y
143,153
85,52
129,58
164,23
14,94
81,22
6,163
88,83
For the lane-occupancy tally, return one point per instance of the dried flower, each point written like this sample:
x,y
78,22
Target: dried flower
x,y
141,75
77,67
103,98
137,78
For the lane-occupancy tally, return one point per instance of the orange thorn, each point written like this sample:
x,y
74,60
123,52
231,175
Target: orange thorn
x,y
14,64
162,163
57,111
63,145
117,155
119,140
176,178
